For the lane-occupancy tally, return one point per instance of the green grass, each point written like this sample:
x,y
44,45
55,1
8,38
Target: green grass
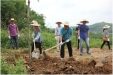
x,y
7,68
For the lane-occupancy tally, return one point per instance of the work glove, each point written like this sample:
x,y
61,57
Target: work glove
x,y
108,39
61,43
88,39
55,37
9,37
18,35
33,35
33,40
67,40
79,37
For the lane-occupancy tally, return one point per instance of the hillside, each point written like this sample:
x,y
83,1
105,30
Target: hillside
x,y
98,27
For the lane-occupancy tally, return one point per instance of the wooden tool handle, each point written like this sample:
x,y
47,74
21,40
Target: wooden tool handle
x,y
53,47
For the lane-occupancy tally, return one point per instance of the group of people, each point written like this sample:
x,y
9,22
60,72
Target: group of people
x,y
62,35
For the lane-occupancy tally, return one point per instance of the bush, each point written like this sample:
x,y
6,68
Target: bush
x,y
96,39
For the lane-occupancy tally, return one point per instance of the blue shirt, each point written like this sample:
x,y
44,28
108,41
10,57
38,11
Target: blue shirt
x,y
83,31
67,36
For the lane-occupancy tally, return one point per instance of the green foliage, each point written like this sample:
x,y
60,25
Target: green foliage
x,y
98,27
7,68
96,39
15,9
18,10
38,17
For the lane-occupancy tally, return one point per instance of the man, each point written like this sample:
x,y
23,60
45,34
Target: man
x,y
83,33
65,36
76,32
13,33
57,34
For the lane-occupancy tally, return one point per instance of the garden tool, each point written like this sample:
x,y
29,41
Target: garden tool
x,y
100,62
35,53
77,43
50,49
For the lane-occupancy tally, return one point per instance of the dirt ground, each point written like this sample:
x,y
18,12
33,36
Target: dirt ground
x,y
84,64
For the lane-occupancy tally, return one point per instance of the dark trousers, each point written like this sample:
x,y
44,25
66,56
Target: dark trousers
x,y
62,54
37,45
78,44
14,42
104,43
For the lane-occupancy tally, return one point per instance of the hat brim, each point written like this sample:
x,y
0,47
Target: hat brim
x,y
107,27
66,25
85,21
12,20
35,24
58,22
78,24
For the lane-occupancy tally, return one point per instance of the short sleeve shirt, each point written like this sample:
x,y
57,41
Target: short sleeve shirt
x,y
12,29
83,31
57,31
67,36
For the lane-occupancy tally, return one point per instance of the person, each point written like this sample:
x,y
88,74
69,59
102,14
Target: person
x,y
57,34
37,36
65,36
13,33
106,35
83,35
76,33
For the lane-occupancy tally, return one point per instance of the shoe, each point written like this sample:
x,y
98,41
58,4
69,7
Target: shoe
x,y
110,49
61,58
16,48
71,58
101,48
80,54
89,53
77,49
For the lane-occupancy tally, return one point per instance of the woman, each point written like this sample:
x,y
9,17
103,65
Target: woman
x,y
37,36
106,35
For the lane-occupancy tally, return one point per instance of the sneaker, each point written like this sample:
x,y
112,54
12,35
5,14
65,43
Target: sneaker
x,y
61,58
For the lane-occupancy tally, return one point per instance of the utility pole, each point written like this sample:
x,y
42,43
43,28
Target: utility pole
x,y
28,20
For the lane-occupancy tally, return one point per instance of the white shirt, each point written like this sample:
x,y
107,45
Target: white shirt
x,y
57,30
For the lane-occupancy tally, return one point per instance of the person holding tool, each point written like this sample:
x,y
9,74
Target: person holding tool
x,y
76,33
37,36
65,36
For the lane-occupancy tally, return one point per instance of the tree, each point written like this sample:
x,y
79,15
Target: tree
x,y
18,10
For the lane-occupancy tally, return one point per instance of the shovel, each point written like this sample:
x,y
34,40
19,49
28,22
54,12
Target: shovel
x,y
35,53
100,62
44,52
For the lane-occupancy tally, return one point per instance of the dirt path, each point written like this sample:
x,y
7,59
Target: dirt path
x,y
96,53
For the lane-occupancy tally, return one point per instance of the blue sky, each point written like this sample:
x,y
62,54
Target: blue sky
x,y
73,11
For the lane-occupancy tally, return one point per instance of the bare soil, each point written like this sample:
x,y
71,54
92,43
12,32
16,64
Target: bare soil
x,y
84,64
